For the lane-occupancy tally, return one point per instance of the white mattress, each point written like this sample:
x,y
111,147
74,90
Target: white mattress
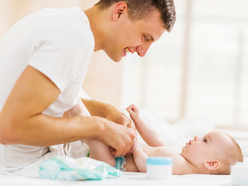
x,y
176,135
128,179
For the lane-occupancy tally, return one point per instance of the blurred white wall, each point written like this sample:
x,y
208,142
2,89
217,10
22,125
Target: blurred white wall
x,y
199,68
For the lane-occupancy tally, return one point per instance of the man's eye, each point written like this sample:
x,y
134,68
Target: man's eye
x,y
146,38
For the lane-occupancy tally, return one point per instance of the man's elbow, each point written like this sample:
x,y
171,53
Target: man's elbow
x,y
7,134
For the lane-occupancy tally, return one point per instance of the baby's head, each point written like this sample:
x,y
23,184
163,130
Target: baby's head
x,y
213,153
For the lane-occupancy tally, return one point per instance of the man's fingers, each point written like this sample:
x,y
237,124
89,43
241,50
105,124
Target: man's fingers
x,y
125,148
120,151
113,151
129,144
131,125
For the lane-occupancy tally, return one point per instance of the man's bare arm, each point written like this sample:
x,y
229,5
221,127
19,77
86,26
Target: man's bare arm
x,y
22,120
108,111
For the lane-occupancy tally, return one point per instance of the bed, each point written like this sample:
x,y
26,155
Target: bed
x,y
129,178
175,136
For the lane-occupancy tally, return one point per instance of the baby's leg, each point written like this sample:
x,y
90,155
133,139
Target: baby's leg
x,y
100,151
130,164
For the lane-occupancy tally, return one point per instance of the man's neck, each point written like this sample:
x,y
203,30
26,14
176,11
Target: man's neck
x,y
96,19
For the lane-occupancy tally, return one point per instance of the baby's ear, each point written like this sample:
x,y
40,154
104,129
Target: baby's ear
x,y
212,164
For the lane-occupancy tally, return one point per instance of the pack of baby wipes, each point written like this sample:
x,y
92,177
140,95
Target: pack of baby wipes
x,y
67,168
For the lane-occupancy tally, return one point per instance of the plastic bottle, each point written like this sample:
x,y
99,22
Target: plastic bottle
x,y
159,167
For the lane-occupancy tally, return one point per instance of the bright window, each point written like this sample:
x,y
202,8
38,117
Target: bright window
x,y
199,68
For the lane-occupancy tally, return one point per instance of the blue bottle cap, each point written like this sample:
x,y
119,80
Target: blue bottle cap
x,y
159,161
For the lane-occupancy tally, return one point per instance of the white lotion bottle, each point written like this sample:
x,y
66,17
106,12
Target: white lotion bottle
x,y
159,168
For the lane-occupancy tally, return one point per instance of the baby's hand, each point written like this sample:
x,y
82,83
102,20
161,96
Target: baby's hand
x,y
134,112
137,145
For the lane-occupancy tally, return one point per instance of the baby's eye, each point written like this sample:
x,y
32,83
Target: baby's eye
x,y
205,140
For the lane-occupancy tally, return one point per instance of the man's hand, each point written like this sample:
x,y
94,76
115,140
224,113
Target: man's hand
x,y
109,112
119,117
118,137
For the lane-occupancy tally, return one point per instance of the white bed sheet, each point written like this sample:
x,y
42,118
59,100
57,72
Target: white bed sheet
x,y
128,179
174,136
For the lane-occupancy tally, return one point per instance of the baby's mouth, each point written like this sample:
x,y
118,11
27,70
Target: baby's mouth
x,y
189,142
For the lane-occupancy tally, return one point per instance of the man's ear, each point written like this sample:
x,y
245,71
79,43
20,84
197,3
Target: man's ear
x,y
212,164
119,9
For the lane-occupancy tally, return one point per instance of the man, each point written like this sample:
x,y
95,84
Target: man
x,y
43,61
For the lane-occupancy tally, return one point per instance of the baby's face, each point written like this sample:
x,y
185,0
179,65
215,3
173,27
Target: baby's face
x,y
212,146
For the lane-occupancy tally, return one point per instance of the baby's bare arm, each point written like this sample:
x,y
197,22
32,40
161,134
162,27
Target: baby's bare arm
x,y
150,136
139,156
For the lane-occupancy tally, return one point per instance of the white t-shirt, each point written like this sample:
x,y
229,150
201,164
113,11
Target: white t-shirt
x,y
57,42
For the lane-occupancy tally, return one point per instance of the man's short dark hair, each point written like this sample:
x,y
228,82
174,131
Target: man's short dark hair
x,y
139,9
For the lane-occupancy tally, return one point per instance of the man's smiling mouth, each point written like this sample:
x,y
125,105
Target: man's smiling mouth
x,y
126,50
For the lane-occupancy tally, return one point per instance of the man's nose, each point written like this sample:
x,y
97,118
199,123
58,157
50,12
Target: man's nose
x,y
142,49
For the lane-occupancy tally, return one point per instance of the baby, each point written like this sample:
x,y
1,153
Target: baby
x,y
213,153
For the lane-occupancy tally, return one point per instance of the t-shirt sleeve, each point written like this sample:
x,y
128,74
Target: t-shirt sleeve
x,y
60,53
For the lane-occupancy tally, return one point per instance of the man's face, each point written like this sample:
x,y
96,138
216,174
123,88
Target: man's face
x,y
133,36
212,146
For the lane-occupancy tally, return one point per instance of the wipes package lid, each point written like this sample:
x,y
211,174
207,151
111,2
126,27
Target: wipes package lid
x,y
66,168
239,174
